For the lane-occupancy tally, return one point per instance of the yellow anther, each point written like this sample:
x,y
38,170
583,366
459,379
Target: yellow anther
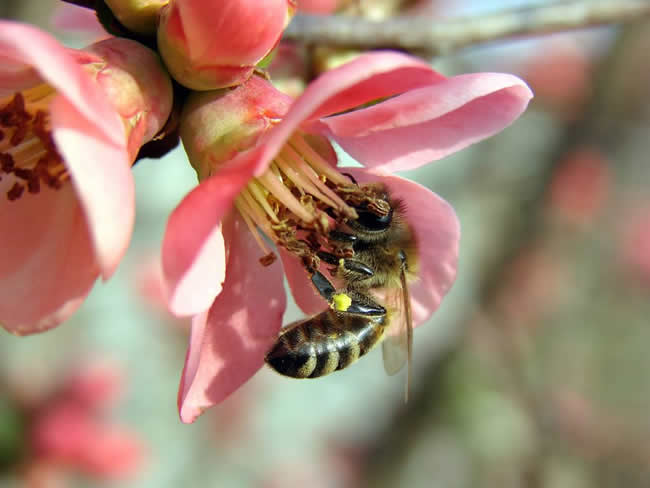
x,y
341,302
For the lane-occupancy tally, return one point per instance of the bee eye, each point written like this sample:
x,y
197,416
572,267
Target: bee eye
x,y
371,221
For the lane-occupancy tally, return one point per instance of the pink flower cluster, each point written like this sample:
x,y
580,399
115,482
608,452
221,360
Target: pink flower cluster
x,y
67,217
67,430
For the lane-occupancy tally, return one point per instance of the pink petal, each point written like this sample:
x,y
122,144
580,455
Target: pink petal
x,y
88,133
364,79
47,264
73,18
429,123
228,346
101,174
193,256
22,46
221,37
302,290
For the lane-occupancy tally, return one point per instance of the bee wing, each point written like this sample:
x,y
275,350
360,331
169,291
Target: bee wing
x,y
398,344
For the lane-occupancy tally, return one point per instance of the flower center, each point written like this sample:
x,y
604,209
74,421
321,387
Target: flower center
x,y
296,201
28,156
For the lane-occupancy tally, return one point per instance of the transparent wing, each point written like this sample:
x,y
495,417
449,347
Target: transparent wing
x,y
398,342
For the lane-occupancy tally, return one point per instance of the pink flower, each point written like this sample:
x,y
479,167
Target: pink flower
x,y
634,243
67,429
560,73
207,47
318,7
71,123
424,116
584,168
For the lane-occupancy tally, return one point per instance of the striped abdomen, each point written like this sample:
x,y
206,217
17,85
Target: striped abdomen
x,y
324,343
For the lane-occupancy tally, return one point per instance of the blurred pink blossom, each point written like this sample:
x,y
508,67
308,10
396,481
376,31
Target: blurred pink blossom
x,y
559,73
580,185
67,429
318,6
424,116
634,243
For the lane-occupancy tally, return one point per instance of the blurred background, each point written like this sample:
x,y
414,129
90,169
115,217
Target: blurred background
x,y
533,373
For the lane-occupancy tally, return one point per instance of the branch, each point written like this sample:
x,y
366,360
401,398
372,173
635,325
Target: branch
x,y
444,36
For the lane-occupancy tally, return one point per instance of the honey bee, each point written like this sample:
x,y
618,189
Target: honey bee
x,y
373,258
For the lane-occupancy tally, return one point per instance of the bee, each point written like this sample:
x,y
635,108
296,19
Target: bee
x,y
373,257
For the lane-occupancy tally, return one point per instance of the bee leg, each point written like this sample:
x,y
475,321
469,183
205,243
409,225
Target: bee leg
x,y
340,236
358,268
328,257
323,286
364,305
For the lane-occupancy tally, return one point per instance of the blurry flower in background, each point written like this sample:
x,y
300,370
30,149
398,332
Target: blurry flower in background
x,y
580,185
560,75
321,7
634,243
71,124
206,47
65,430
534,285
289,68
232,146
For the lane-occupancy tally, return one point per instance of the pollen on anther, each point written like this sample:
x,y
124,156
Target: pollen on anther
x,y
15,192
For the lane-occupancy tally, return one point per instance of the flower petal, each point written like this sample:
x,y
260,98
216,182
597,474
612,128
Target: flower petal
x,y
101,174
23,46
429,123
222,37
193,256
47,264
228,344
370,76
437,232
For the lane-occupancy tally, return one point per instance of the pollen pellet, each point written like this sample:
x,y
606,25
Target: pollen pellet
x,y
341,302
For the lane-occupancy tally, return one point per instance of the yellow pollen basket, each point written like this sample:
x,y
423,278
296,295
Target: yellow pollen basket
x,y
341,302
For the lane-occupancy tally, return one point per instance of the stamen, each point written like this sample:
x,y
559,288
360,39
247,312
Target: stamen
x,y
295,201
282,193
27,151
251,226
302,182
258,192
335,201
315,160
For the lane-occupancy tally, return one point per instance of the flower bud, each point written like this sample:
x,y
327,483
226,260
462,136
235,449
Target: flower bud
x,y
140,16
218,124
208,45
136,84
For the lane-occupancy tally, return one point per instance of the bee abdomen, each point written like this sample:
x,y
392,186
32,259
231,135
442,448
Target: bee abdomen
x,y
320,345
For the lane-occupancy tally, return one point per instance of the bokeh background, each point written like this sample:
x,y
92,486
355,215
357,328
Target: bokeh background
x,y
533,373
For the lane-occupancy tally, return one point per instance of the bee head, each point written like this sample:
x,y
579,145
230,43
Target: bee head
x,y
372,221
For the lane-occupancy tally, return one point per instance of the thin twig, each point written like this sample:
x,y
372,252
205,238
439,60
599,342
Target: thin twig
x,y
442,37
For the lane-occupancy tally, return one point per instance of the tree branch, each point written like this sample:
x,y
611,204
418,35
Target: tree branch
x,y
442,37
